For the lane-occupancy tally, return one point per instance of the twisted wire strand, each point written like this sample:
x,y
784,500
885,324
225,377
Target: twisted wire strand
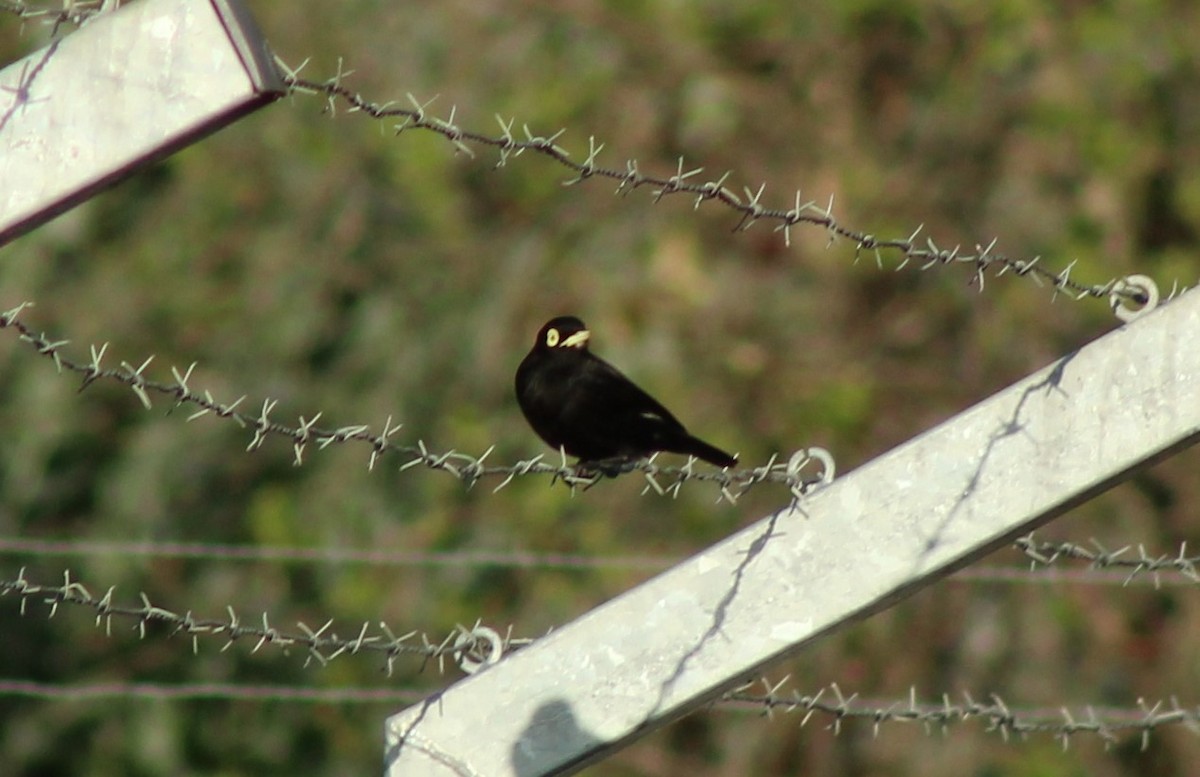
x,y
800,473
1098,557
323,645
831,704
480,646
469,647
996,715
67,12
748,206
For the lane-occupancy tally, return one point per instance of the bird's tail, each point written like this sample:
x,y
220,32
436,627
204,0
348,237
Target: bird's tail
x,y
694,446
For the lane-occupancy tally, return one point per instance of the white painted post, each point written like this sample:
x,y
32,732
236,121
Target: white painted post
x,y
936,503
128,88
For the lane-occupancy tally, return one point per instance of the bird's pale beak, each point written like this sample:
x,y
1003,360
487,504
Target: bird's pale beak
x,y
576,340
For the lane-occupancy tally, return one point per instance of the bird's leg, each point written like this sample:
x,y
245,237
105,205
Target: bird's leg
x,y
580,474
560,475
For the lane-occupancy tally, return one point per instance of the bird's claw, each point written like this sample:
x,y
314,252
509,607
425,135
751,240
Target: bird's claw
x,y
610,467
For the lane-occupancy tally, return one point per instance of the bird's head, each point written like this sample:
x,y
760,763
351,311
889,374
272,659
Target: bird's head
x,y
566,332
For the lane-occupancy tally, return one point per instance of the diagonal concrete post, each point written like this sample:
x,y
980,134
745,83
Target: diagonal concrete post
x,y
129,87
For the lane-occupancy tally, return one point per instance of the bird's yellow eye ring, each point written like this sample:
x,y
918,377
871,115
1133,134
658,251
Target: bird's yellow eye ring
x,y
552,338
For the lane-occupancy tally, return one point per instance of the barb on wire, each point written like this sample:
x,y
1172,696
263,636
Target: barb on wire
x,y
749,208
803,472
996,715
470,648
1044,554
73,12
1127,298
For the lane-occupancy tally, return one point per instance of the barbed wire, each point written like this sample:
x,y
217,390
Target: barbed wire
x,y
829,703
796,472
73,12
1044,554
1130,296
1101,567
1135,291
468,647
997,716
480,646
1107,723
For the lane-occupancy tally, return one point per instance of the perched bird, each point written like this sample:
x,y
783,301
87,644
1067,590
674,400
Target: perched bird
x,y
576,401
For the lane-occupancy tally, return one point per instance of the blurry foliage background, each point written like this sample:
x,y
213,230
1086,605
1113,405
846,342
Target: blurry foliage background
x,y
340,269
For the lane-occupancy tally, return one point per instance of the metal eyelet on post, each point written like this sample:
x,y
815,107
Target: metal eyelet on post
x,y
1133,290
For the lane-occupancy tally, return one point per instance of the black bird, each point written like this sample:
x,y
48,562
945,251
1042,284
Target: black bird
x,y
577,401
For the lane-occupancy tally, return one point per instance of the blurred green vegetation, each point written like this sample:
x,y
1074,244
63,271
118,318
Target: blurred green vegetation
x,y
327,264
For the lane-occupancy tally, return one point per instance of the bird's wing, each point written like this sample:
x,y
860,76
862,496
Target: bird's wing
x,y
603,396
